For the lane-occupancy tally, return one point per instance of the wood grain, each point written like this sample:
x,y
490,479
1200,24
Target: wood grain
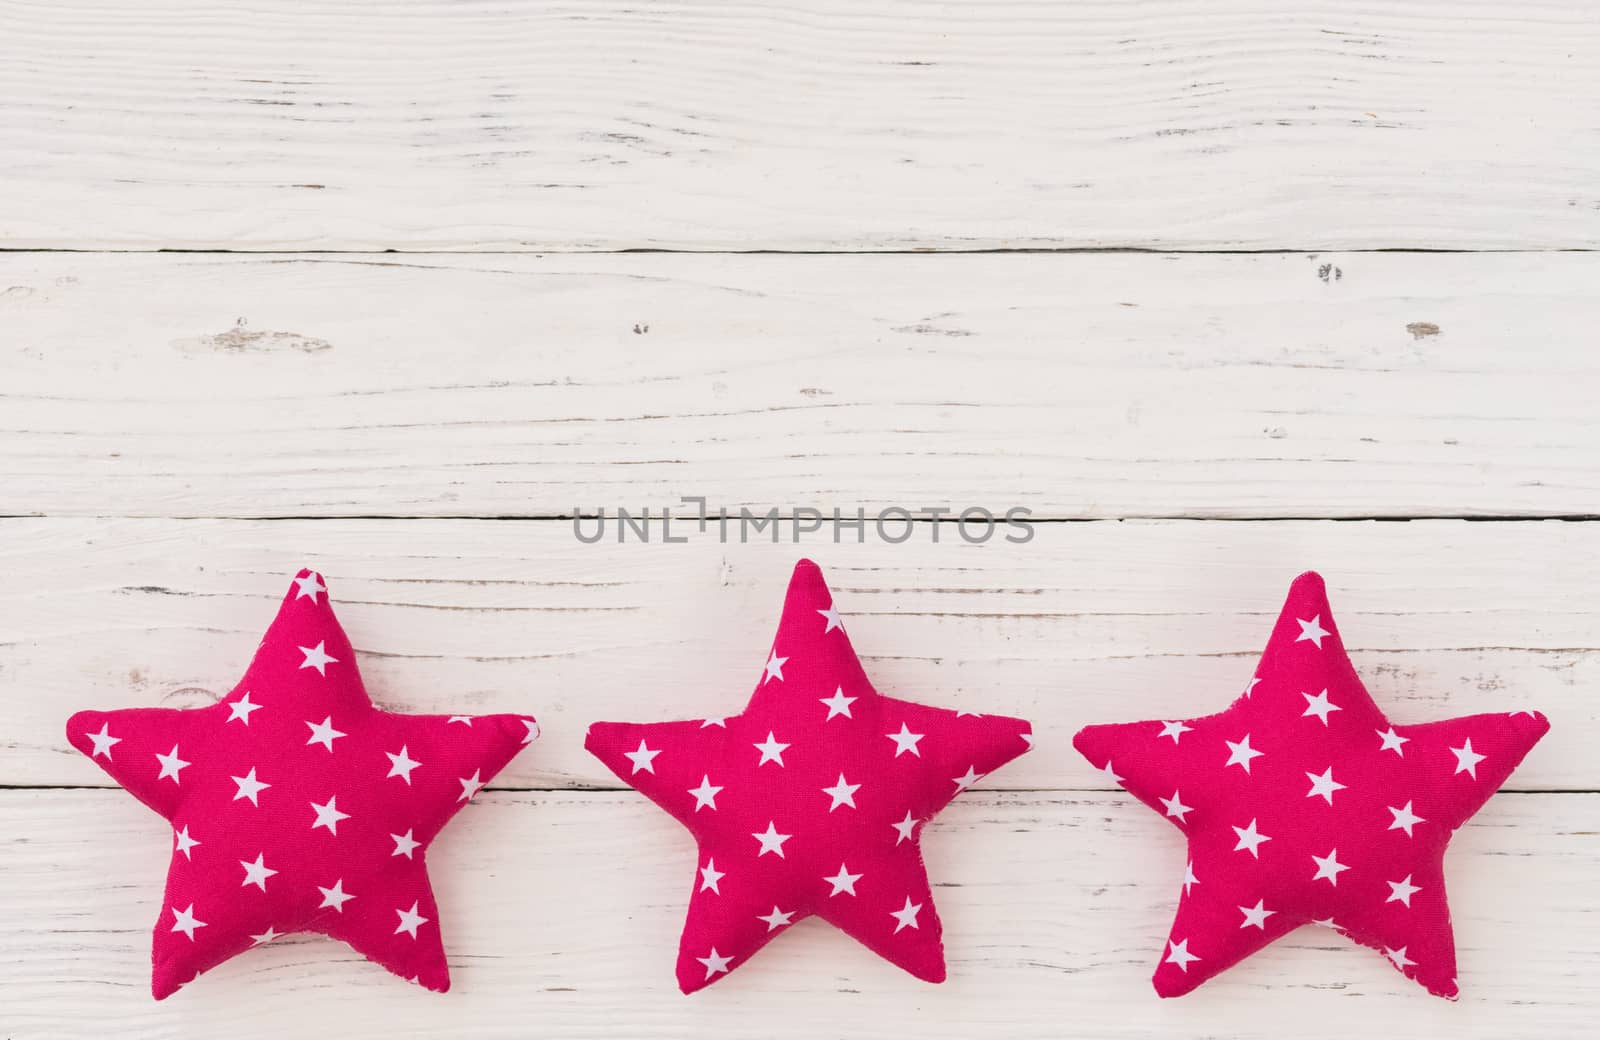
x,y
1085,623
1074,386
811,124
561,912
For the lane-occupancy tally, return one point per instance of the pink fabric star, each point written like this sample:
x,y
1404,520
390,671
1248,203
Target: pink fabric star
x,y
1303,804
810,801
297,805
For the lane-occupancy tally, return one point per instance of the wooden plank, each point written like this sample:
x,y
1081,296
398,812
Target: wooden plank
x,y
1074,386
1085,623
817,124
1054,908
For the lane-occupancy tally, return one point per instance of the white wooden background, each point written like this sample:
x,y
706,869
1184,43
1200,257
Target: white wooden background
x,y
454,271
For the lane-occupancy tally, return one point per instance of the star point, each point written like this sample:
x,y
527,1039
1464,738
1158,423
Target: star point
x,y
774,668
309,585
714,964
184,843
905,828
1175,730
470,785
831,614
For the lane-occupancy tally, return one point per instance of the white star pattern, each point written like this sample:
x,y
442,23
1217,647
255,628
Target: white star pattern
x,y
1256,916
1250,839
410,921
171,765
844,881
239,710
1323,785
771,841
404,844
904,828
1466,759
184,922
104,741
323,733
839,704
1329,868
256,873
317,658
265,937
470,785
1404,819
402,764
328,815
713,963
533,731
777,919
184,842
832,614
771,750
309,586
705,796
1110,773
906,916
1393,741
1175,730
966,780
464,720
643,758
249,787
720,721
1241,753
774,668
1180,955
1312,630
1189,880
1398,958
1175,808
842,792
1401,891
334,898
1319,706
905,741
710,875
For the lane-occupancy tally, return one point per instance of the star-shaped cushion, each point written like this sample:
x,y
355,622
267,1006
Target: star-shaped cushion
x,y
1303,804
810,801
297,805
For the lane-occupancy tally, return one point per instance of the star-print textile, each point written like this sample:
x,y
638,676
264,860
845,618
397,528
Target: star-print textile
x,y
812,800
1303,804
297,805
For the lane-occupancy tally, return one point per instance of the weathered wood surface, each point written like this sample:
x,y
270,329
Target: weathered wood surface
x,y
1075,386
1085,623
813,124
561,913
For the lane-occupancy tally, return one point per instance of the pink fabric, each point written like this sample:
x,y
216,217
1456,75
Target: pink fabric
x,y
810,801
1347,816
297,805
